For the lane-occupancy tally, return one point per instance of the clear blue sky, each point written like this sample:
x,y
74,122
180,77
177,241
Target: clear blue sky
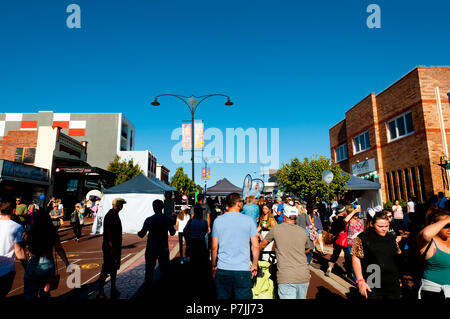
x,y
293,65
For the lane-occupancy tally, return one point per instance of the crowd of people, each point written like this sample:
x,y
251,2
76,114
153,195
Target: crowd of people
x,y
406,249
389,253
29,233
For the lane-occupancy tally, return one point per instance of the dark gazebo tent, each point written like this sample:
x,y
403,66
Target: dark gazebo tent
x,y
223,187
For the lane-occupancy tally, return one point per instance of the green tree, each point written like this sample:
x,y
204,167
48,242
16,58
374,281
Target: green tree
x,y
182,182
124,170
305,179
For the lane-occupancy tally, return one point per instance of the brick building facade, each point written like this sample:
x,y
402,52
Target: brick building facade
x,y
395,137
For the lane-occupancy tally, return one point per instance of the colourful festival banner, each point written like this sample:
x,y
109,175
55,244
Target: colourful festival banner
x,y
186,139
199,135
199,141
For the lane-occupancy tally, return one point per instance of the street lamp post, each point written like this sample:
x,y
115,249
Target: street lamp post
x,y
192,102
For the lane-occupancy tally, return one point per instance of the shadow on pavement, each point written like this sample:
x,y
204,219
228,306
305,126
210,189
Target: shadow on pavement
x,y
324,294
185,281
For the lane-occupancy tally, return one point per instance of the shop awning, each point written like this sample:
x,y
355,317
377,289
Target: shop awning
x,y
19,172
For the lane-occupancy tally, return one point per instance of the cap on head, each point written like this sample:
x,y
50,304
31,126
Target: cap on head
x,y
118,201
290,212
291,203
340,208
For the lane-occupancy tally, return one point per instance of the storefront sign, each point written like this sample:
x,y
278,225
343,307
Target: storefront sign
x,y
11,169
82,170
363,167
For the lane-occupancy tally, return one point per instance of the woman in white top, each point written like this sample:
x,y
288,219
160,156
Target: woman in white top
x,y
182,220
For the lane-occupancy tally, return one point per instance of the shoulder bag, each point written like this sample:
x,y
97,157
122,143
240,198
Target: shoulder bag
x,y
313,235
342,238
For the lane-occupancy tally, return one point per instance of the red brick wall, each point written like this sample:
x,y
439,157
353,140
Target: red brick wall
x,y
413,92
338,136
430,78
16,139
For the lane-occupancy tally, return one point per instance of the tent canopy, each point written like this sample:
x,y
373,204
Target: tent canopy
x,y
223,186
141,184
356,183
139,194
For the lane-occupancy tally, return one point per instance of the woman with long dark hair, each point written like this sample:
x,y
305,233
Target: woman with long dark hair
x,y
375,253
43,240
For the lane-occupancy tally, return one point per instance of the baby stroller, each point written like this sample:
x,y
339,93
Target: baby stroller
x,y
264,283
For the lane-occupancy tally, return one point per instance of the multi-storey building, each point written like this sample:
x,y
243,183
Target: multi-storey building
x,y
399,136
106,133
145,159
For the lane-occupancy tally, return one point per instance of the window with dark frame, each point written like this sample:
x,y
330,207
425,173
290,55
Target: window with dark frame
x,y
408,184
394,182
25,155
341,153
422,182
388,181
400,184
414,182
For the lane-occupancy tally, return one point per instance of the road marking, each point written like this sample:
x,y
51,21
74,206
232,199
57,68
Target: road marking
x,y
90,266
99,273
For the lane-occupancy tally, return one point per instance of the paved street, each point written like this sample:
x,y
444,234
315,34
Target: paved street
x,y
183,278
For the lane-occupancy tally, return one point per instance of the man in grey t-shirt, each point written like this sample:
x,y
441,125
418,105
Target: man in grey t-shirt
x,y
292,244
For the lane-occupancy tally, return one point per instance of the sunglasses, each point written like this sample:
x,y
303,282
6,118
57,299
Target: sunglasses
x,y
447,226
389,216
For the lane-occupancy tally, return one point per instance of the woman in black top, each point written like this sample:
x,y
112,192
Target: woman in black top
x,y
42,239
339,228
375,258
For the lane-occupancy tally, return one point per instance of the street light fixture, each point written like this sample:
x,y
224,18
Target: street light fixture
x,y
192,102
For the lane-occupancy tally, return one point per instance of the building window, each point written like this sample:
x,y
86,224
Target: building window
x,y
394,182
388,181
25,155
400,126
408,184
400,184
414,181
361,142
422,182
341,153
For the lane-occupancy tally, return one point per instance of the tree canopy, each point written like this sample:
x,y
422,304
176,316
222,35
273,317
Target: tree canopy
x,y
124,170
305,179
183,183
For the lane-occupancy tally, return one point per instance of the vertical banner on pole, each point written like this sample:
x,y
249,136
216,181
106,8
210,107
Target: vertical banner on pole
x,y
203,173
208,173
199,134
186,138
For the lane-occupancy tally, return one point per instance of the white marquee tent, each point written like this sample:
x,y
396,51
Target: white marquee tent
x,y
139,193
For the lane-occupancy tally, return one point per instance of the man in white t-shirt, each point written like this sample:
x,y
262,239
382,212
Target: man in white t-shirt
x,y
10,248
275,205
